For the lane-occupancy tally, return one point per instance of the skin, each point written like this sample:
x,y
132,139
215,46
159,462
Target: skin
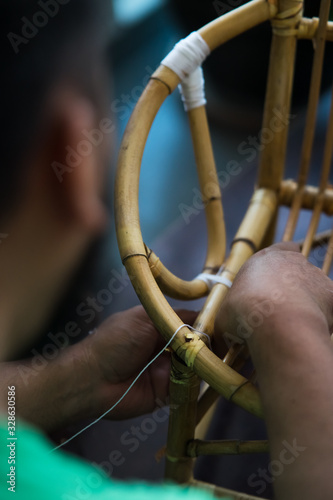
x,y
86,379
292,352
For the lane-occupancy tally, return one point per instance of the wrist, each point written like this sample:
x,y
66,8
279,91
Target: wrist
x,y
82,369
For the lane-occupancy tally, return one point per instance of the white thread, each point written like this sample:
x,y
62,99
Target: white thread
x,y
201,333
212,279
187,55
129,388
192,90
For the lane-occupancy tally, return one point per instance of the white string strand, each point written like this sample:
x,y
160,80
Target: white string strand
x,y
201,333
130,387
212,279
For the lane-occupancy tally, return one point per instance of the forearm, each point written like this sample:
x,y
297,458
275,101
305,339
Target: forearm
x,y
294,362
55,394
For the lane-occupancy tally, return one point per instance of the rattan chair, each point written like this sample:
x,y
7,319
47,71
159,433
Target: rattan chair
x,y
192,359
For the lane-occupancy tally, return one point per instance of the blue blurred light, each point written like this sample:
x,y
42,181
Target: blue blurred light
x,y
131,11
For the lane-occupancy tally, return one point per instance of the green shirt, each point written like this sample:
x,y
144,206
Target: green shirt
x,y
29,469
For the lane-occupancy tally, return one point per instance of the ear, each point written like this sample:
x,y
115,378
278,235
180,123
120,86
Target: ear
x,y
77,162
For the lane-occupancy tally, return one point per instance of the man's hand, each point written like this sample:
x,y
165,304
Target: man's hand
x,y
86,379
282,307
276,285
119,349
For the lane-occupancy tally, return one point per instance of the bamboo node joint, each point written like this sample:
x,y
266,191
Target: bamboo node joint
x,y
162,81
286,23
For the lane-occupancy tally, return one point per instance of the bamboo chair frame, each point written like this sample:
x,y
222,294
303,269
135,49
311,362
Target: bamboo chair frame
x,y
192,360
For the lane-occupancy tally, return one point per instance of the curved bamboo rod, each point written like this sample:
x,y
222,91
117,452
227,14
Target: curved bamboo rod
x,y
127,179
173,286
163,82
170,284
209,186
237,21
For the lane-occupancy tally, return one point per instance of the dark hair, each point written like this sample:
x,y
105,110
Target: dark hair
x,y
43,42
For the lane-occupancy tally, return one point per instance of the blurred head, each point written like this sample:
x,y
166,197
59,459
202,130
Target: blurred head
x,y
55,145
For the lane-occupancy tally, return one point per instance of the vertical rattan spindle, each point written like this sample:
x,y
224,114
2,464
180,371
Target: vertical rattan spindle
x,y
276,119
184,393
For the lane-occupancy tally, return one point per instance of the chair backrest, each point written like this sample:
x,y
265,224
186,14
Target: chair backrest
x,y
297,195
192,359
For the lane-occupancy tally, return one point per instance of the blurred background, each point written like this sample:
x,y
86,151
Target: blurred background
x,y
144,31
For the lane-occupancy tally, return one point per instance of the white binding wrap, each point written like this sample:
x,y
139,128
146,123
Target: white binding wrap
x,y
192,90
213,279
187,55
